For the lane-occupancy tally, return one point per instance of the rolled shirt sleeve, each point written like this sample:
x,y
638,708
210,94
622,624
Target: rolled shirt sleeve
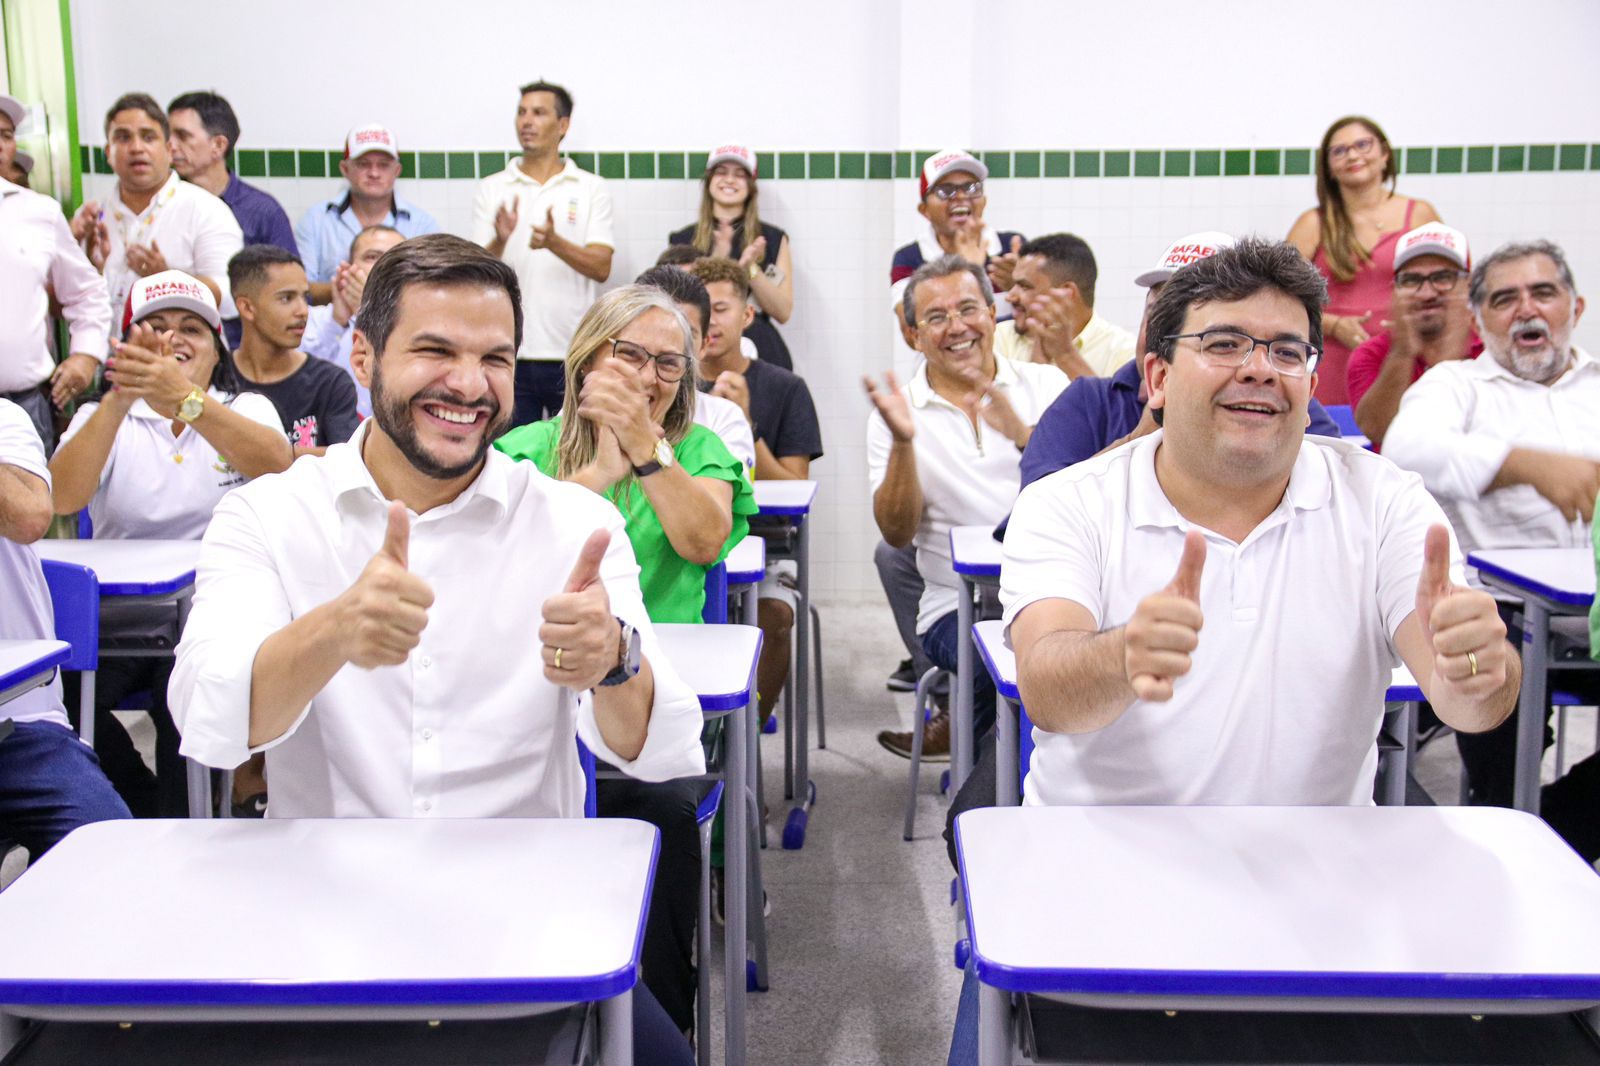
x,y
1429,435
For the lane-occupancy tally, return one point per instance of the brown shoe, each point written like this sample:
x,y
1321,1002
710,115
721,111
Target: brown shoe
x,y
935,740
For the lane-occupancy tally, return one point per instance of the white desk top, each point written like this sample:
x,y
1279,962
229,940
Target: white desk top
x,y
1370,902
24,661
1565,575
974,552
130,567
785,497
355,912
717,661
747,562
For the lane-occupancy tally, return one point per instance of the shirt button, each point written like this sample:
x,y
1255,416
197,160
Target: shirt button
x,y
425,806
427,734
427,661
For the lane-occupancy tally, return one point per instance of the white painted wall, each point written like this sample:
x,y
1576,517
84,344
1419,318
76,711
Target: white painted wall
x,y
832,74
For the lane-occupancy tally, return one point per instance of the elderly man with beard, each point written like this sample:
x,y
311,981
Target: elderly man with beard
x,y
310,636
1510,445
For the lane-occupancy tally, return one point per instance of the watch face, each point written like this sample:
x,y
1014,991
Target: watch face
x,y
664,454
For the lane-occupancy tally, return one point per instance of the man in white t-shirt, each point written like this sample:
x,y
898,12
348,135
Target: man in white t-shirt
x,y
552,222
946,451
50,781
154,220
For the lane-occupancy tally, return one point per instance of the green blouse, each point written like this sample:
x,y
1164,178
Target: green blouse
x,y
674,589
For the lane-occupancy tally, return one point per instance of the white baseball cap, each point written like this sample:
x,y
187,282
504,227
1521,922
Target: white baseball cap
x,y
732,153
1433,239
374,138
12,107
948,162
1183,251
169,289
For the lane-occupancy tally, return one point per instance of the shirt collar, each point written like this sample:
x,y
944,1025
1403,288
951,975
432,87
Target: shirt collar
x,y
7,188
398,208
141,409
350,480
568,172
929,243
1128,375
172,179
920,393
1582,364
1310,487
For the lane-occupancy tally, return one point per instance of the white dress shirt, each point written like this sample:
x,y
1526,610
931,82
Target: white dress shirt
x,y
1285,695
26,612
969,473
554,296
196,232
468,726
37,250
1458,423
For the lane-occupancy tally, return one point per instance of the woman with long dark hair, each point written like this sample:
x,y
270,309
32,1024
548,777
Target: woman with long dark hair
x,y
1350,237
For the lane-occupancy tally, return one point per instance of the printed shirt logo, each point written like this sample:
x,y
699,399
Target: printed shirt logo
x,y
572,211
303,434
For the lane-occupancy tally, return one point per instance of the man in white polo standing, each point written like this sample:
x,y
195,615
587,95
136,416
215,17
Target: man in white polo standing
x,y
551,221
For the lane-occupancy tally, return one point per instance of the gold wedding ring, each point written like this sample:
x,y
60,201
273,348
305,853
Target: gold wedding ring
x,y
1472,662
559,650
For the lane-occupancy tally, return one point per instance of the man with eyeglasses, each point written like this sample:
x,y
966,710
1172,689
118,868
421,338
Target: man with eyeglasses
x,y
946,451
1210,614
1510,445
1431,324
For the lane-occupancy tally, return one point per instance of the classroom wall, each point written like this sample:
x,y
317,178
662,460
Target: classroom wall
x,y
1129,124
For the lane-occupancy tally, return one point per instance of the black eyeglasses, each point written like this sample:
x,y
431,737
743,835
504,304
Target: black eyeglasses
x,y
1231,349
670,366
971,190
1442,280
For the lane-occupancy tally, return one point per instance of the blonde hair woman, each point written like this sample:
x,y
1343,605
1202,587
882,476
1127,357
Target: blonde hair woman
x,y
1350,238
730,226
627,432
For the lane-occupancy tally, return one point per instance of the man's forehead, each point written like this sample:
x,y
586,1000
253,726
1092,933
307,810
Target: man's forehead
x,y
451,308
951,287
134,118
1269,310
1534,266
539,97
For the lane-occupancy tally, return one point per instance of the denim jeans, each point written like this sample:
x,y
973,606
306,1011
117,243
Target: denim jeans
x,y
939,641
50,784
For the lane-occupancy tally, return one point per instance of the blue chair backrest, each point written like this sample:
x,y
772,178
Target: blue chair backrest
x,y
1024,745
1344,418
591,804
715,612
85,525
75,598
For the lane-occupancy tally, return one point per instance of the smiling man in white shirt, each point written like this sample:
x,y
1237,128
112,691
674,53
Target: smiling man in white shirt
x,y
413,625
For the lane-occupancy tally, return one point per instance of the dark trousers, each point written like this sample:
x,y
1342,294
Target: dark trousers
x,y
939,643
668,955
165,793
540,387
50,783
36,402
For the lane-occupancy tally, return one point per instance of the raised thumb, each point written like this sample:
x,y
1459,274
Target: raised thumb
x,y
1435,578
586,571
1186,582
397,538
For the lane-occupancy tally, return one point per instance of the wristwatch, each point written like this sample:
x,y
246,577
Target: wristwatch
x,y
664,458
628,655
191,405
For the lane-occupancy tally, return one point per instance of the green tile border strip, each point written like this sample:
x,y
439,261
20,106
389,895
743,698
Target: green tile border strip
x,y
879,165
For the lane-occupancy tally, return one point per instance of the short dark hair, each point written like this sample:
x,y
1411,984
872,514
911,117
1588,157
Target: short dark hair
x,y
376,227
683,287
1237,273
1070,258
678,255
138,102
943,267
710,268
433,259
563,98
1477,289
247,269
216,115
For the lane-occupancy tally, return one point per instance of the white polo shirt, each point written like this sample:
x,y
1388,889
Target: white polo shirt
x,y
467,726
1284,700
1104,346
724,418
196,232
155,486
38,257
969,473
25,609
1460,420
554,296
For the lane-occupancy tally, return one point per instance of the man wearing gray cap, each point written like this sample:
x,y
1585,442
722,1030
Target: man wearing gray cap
x,y
40,257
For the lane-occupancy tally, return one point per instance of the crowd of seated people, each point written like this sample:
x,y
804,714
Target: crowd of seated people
x,y
366,422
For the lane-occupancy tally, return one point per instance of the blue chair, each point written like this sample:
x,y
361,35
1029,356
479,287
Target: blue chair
x,y
1345,418
75,597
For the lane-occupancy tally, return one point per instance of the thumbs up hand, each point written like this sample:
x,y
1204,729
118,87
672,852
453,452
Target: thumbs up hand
x,y
581,639
384,613
1165,628
1463,624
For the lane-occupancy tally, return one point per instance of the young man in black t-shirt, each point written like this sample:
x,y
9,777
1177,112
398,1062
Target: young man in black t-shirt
x,y
316,399
783,421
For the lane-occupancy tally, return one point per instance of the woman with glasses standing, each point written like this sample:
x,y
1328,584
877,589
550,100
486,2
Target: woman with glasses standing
x,y
730,226
1350,237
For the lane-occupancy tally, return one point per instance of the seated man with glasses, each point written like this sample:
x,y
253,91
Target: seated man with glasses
x,y
1210,614
1430,324
946,450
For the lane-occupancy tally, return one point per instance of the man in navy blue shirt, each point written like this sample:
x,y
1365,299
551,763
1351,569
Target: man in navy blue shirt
x,y
204,131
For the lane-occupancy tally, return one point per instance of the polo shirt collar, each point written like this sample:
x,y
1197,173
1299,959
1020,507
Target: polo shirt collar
x,y
398,208
172,179
928,243
569,172
920,393
1310,488
1128,375
350,480
1583,364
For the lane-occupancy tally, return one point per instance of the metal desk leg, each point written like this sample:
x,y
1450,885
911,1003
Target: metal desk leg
x,y
1396,764
199,789
757,903
1007,759
735,879
961,722
804,792
11,1030
616,1030
1534,704
750,606
994,1026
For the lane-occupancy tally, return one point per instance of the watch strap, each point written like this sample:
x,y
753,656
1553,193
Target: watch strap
x,y
646,469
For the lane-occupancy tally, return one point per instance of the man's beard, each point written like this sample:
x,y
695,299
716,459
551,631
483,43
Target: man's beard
x,y
1543,364
395,419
